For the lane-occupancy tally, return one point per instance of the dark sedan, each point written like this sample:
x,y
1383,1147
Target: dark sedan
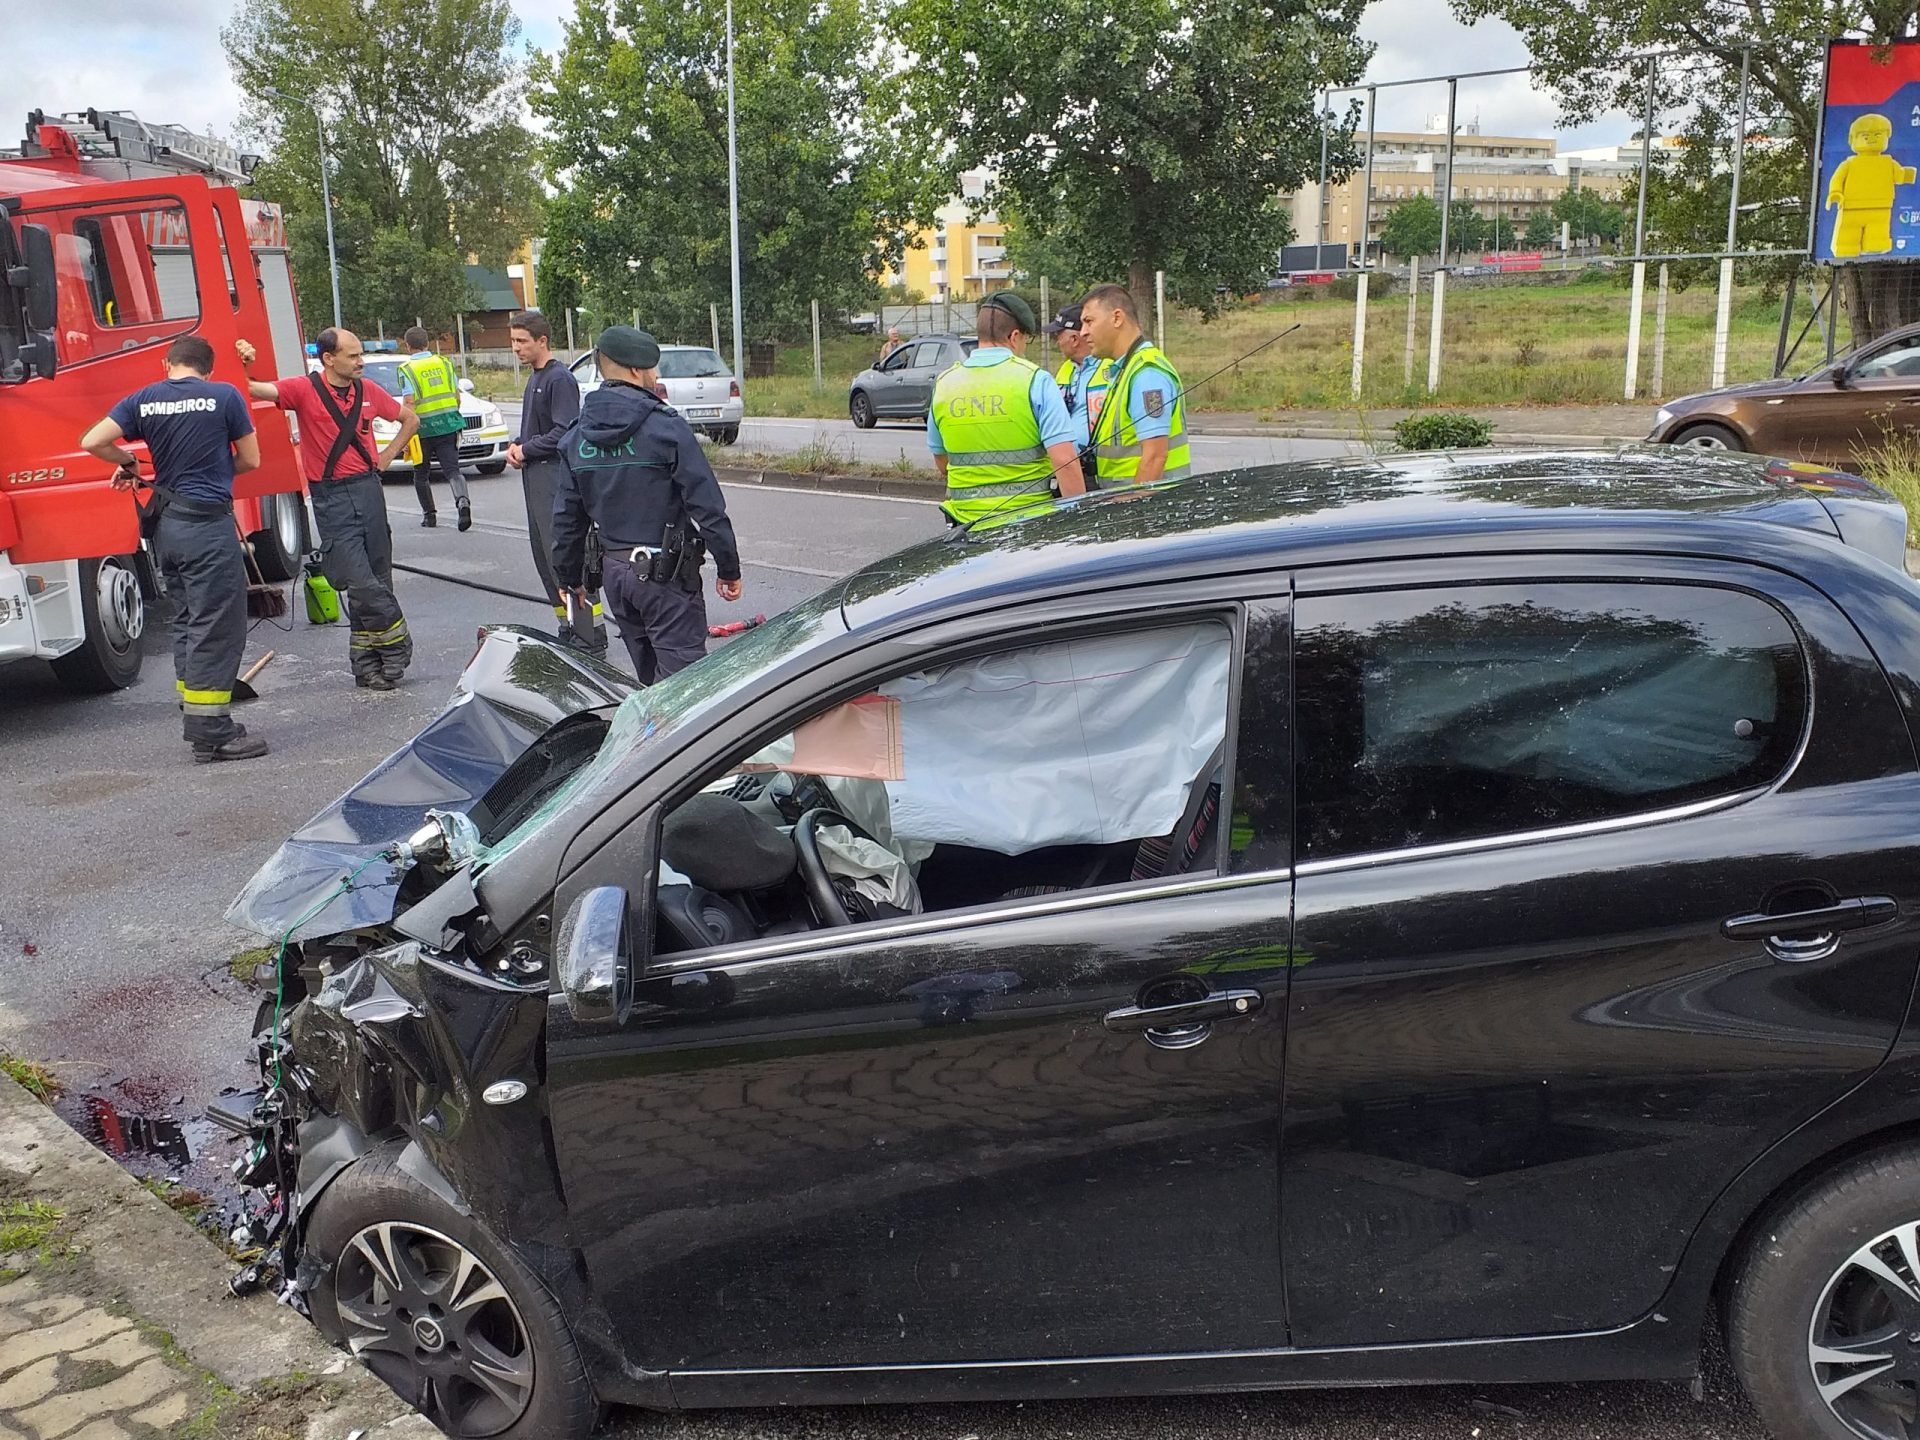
x,y
1829,416
1371,922
900,387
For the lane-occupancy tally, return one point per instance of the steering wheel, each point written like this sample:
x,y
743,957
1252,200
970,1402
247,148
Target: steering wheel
x,y
828,908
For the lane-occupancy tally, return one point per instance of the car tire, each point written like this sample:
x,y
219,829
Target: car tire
x,y
1708,436
280,543
860,410
728,436
114,613
492,467
375,1225
1799,1285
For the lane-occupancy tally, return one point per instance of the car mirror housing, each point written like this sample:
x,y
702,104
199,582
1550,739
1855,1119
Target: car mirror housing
x,y
466,386
1840,377
595,951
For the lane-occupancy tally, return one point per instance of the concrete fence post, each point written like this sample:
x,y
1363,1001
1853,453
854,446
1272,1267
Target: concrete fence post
x,y
1046,318
1413,316
460,324
1660,335
713,315
1436,321
1160,308
572,354
819,382
1359,332
1723,322
1632,388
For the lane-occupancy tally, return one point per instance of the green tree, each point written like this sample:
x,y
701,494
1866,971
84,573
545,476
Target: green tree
x,y
1589,217
1577,50
1159,135
430,163
635,105
1412,228
1542,231
1467,228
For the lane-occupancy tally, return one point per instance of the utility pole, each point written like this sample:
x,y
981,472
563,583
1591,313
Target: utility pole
x,y
326,193
733,211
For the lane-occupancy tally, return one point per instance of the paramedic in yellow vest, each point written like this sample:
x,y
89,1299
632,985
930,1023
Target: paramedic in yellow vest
x,y
1000,434
1083,378
1140,435
433,392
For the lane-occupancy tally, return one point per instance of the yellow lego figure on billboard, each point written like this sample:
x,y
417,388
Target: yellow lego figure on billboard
x,y
1863,189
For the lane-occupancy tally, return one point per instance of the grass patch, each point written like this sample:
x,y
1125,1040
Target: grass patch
x,y
245,963
28,1225
1895,468
35,1079
822,458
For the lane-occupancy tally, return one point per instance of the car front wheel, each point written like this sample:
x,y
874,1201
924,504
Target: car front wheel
x,y
441,1311
1707,436
1824,1317
860,407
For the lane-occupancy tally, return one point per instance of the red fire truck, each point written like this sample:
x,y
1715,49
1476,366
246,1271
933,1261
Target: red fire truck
x,y
115,238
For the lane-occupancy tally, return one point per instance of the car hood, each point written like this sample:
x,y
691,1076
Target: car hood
x,y
1779,386
518,686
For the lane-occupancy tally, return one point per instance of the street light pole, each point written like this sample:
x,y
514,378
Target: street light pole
x,y
326,193
733,209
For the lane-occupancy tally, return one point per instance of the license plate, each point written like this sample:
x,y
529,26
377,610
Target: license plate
x,y
703,412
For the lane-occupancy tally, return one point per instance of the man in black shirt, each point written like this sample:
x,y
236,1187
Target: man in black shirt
x,y
550,405
199,435
633,467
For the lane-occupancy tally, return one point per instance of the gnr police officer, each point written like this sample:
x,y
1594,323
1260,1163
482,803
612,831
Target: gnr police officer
x,y
1141,434
631,466
200,435
1083,378
999,431
433,393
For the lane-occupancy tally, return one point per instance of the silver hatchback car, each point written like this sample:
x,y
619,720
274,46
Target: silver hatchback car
x,y
698,383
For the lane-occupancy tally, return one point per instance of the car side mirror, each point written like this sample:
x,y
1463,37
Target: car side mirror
x,y
467,386
1840,377
595,950
43,296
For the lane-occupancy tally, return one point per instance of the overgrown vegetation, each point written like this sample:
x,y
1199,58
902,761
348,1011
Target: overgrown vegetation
x,y
1895,468
1442,430
28,1225
36,1079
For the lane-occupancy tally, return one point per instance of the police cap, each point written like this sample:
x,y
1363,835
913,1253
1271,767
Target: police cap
x,y
1066,319
624,345
1014,306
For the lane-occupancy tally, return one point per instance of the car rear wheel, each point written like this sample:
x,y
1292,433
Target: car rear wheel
x,y
115,616
727,436
1708,436
1824,1317
441,1311
492,467
860,407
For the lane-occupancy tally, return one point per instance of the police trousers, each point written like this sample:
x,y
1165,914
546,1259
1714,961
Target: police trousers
x,y
442,453
356,556
663,623
205,575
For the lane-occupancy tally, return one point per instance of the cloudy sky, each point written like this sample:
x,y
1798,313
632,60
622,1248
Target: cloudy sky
x,y
164,62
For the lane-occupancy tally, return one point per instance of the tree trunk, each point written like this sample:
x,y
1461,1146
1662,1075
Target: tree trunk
x,y
1140,286
1879,296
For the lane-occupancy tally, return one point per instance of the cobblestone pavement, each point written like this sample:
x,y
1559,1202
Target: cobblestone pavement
x,y
70,1369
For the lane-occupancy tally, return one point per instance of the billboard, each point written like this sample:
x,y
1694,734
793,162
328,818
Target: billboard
x,y
1869,186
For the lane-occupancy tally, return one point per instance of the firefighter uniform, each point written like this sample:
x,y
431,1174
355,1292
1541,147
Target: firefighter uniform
x,y
189,425
435,387
994,416
633,467
1142,403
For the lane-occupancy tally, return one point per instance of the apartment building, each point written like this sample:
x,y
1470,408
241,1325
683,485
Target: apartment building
x,y
962,256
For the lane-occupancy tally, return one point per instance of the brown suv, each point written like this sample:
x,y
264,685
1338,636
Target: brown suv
x,y
1860,401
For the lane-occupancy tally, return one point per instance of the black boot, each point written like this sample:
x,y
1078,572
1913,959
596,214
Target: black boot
x,y
239,747
466,516
428,520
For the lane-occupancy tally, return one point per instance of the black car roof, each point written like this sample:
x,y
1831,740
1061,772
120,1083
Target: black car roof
x,y
1313,512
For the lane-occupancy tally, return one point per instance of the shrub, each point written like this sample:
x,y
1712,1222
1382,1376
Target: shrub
x,y
1895,468
1526,353
1443,430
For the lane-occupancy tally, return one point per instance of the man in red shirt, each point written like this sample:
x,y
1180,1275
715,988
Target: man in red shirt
x,y
337,409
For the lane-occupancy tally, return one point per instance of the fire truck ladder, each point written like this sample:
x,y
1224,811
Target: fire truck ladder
x,y
145,149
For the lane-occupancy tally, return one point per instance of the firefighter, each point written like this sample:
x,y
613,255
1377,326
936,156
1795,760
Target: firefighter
x,y
633,467
550,405
337,408
200,435
999,431
433,393
1141,433
1083,378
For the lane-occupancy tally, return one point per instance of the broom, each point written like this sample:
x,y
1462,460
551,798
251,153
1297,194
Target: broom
x,y
264,601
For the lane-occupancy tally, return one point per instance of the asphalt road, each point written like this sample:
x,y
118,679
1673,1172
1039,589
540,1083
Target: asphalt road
x,y
120,856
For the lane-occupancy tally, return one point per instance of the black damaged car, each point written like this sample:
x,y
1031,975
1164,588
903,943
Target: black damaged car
x,y
1383,921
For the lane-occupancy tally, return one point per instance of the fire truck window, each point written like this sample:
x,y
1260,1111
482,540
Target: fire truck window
x,y
137,266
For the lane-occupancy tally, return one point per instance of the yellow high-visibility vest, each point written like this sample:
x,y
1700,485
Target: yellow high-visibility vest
x,y
995,458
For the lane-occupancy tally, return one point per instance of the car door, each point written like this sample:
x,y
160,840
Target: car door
x,y
890,379
1885,390
916,382
946,1137
1547,1002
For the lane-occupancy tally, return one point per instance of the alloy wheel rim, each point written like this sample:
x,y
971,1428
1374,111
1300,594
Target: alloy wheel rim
x,y
289,524
1863,1344
427,1316
123,614
1705,440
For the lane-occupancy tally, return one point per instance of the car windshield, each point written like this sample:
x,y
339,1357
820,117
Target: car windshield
x,y
385,374
655,711
691,365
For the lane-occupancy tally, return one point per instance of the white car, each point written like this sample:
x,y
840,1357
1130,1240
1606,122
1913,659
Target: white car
x,y
698,384
483,444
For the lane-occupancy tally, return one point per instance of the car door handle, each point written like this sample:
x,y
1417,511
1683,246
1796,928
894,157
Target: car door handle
x,y
1814,934
1227,1005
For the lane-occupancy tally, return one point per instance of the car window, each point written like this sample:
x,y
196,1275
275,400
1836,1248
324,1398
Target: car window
x,y
1423,717
926,355
898,360
586,370
385,374
691,365
1901,361
1024,773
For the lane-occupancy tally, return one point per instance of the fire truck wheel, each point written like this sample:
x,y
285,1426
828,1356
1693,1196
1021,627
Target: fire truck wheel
x,y
281,540
115,615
